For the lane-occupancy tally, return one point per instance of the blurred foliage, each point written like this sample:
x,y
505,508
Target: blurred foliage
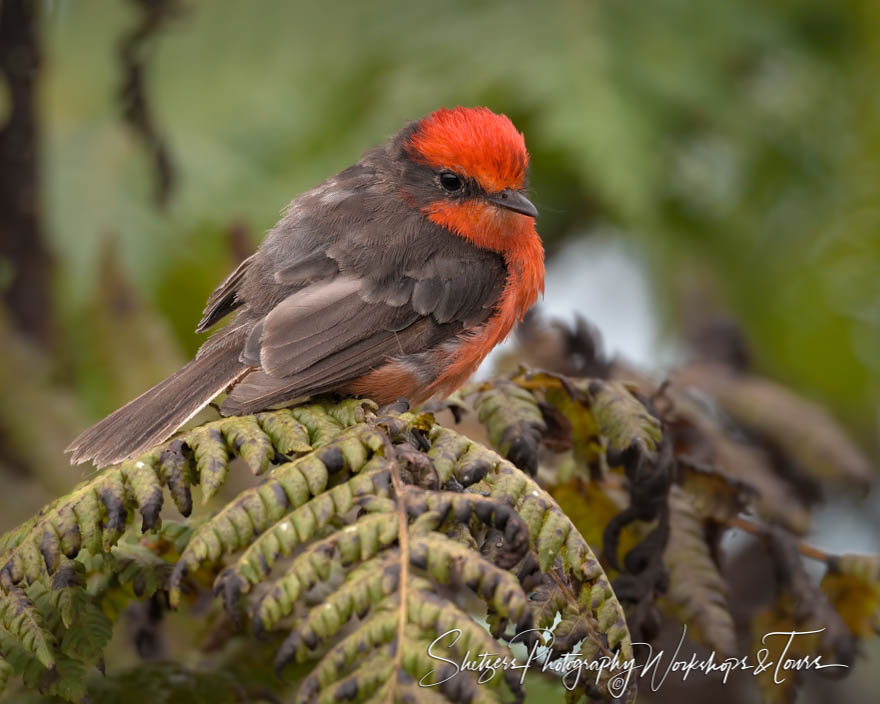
x,y
738,455
738,141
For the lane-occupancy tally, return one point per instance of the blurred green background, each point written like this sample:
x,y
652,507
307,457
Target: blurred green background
x,y
730,148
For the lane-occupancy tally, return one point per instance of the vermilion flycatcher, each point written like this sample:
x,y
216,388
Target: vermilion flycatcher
x,y
394,278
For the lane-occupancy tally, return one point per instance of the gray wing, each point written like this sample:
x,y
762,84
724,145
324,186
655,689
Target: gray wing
x,y
350,277
334,331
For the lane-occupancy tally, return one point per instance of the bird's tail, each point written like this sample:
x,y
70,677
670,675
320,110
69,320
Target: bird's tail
x,y
154,415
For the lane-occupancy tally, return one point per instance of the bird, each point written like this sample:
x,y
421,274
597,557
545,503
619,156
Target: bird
x,y
392,279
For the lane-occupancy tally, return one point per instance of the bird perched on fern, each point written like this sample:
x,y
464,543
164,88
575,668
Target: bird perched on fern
x,y
394,278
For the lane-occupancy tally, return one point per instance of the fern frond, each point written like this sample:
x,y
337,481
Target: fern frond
x,y
287,434
374,579
288,486
59,620
385,520
6,672
697,592
367,572
621,418
598,409
95,514
293,529
553,535
141,567
21,619
513,420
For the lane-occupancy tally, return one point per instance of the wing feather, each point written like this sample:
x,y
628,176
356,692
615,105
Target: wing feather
x,y
225,298
331,332
321,320
260,390
338,288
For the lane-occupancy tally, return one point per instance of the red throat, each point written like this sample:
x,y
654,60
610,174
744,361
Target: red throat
x,y
514,236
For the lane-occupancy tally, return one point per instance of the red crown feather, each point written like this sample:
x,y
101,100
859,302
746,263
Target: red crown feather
x,y
473,142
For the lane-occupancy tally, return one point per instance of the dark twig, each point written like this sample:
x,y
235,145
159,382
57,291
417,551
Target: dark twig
x,y
136,109
25,263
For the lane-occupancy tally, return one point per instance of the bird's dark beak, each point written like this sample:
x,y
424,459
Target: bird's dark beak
x,y
515,201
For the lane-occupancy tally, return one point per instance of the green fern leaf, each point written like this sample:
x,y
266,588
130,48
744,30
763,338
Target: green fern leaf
x,y
374,578
175,470
280,540
351,411
90,631
288,435
212,457
287,487
250,442
142,481
139,566
381,519
21,619
6,673
320,424
621,418
514,422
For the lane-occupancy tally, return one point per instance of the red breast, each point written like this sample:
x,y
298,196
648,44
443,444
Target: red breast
x,y
485,147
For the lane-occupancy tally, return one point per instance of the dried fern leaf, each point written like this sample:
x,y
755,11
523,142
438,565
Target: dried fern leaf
x,y
799,428
697,592
852,585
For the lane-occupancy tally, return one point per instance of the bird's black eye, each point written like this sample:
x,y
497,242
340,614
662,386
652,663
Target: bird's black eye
x,y
450,181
